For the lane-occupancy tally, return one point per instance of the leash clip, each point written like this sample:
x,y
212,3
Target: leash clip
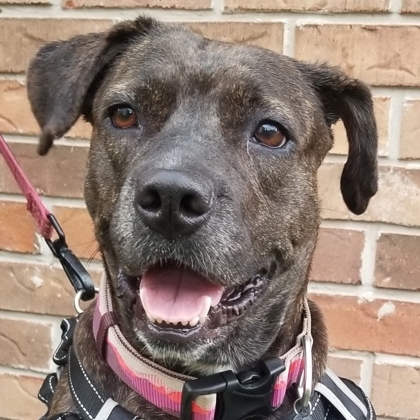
x,y
304,389
77,274
248,393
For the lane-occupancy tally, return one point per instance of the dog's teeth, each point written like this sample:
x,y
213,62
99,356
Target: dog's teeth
x,y
159,321
150,318
194,321
184,323
205,310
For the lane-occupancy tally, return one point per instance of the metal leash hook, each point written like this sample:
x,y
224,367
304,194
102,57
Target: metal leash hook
x,y
302,406
75,271
78,298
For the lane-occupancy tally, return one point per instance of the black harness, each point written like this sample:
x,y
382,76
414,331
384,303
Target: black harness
x,y
333,398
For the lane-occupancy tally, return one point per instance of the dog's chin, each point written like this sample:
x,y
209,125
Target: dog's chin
x,y
177,311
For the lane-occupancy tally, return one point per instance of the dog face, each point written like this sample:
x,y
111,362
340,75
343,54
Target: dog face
x,y
201,180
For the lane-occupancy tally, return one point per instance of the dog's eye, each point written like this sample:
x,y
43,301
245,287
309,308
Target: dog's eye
x,y
270,134
124,117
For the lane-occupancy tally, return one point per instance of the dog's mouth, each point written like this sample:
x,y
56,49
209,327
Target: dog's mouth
x,y
179,303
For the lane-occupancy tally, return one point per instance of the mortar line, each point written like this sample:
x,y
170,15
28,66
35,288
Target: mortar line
x,y
397,360
8,370
304,18
349,354
49,201
382,161
289,32
367,270
394,125
364,292
218,7
45,259
14,77
366,374
31,317
33,140
395,6
362,225
376,358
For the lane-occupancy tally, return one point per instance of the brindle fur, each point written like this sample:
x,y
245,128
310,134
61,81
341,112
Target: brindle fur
x,y
199,102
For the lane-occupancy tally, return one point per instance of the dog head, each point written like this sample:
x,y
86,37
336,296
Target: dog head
x,y
201,180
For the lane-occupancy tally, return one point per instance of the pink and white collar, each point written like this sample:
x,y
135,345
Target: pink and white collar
x,y
162,387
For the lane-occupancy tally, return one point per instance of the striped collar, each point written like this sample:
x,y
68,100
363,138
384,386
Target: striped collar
x,y
162,387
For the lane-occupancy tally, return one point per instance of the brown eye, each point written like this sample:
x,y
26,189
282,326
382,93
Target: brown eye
x,y
124,117
270,135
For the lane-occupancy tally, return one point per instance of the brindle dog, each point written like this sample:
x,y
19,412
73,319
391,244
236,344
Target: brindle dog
x,y
202,174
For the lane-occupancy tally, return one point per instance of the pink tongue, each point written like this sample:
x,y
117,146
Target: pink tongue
x,y
176,294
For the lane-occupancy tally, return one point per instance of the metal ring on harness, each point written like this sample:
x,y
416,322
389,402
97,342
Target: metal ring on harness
x,y
298,411
305,382
78,298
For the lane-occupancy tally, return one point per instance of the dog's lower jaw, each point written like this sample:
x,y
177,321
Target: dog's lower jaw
x,y
275,334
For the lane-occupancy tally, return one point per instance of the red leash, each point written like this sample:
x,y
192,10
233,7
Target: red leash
x,y
47,223
34,203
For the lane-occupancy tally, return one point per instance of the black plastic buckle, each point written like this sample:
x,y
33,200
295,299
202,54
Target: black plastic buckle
x,y
77,274
248,393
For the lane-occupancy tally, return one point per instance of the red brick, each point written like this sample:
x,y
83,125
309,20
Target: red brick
x,y
267,35
16,116
164,4
396,391
38,288
338,256
18,397
21,38
397,200
378,326
78,226
410,6
15,112
25,344
398,262
381,106
60,173
17,228
335,6
376,54
346,367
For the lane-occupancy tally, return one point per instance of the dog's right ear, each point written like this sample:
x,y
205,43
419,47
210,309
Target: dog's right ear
x,y
350,100
60,75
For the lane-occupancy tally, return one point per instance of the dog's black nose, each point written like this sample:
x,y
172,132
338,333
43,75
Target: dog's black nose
x,y
174,203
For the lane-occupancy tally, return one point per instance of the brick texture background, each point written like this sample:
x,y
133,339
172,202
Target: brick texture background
x,y
366,272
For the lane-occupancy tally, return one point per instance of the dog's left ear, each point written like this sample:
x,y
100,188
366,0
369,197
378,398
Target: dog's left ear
x,y
351,101
62,73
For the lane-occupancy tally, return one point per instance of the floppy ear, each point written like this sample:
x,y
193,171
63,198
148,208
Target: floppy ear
x,y
351,101
61,74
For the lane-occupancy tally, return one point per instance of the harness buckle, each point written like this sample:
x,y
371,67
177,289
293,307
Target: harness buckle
x,y
248,393
77,274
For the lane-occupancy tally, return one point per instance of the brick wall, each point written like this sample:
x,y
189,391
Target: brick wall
x,y
367,269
